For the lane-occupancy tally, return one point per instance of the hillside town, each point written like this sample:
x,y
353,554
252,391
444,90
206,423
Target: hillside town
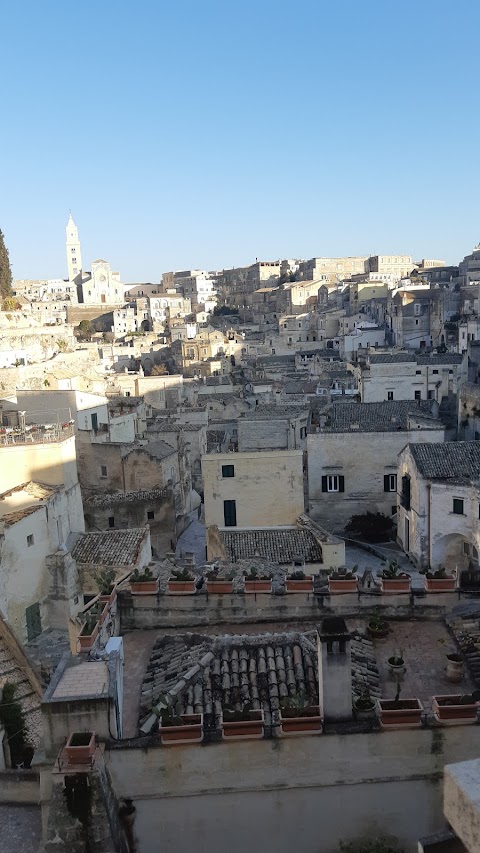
x,y
239,554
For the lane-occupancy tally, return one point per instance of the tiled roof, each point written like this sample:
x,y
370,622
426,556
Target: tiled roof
x,y
110,548
300,386
279,546
105,500
270,411
168,426
389,416
203,674
13,671
453,460
159,449
390,358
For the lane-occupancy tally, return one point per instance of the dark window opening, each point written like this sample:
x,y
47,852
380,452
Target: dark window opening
x,y
111,521
228,470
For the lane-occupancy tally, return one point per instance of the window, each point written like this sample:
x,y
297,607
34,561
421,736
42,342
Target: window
x,y
390,483
418,395
30,540
418,372
103,471
389,395
434,371
230,513
466,549
228,471
405,496
150,515
430,395
458,506
303,432
394,509
111,521
333,483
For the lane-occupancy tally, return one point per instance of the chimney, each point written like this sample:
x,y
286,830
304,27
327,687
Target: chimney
x,y
334,670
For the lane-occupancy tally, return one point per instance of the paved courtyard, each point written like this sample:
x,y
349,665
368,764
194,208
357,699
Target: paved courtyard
x,y
21,829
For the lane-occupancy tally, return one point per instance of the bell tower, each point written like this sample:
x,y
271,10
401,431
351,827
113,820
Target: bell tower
x,y
74,254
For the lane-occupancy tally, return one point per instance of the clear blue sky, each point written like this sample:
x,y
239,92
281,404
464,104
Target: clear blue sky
x,y
209,133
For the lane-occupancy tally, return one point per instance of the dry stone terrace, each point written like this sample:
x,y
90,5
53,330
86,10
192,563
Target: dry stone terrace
x,y
203,674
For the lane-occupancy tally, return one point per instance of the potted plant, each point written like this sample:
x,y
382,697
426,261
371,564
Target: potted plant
x,y
106,584
257,583
439,581
245,722
80,748
400,713
342,581
89,632
298,715
396,664
219,586
177,728
378,628
298,581
364,705
456,709
392,580
143,583
181,582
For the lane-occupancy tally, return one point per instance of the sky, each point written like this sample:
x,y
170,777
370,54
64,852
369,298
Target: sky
x,y
206,134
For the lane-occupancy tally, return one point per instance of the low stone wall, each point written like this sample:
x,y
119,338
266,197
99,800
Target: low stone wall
x,y
20,786
185,611
304,793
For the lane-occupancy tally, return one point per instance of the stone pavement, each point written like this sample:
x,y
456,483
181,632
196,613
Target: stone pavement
x,y
423,646
193,539
364,560
20,829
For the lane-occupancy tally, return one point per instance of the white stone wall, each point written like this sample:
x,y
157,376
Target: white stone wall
x,y
438,536
404,378
266,795
267,487
362,458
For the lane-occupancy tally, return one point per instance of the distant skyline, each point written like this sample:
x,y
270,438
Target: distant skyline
x,y
206,135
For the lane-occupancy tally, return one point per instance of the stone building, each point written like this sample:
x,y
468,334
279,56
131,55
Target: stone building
x,y
353,457
261,489
439,504
406,376
273,427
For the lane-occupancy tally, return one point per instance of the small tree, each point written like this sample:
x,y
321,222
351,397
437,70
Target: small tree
x,y
85,330
10,304
372,526
13,721
5,271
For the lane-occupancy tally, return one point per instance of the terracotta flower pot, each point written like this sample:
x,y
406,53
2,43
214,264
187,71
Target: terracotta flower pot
x,y
144,587
86,641
454,714
244,729
258,586
110,598
80,748
336,587
394,586
378,633
302,725
219,587
440,584
404,714
191,732
365,713
181,587
454,670
305,585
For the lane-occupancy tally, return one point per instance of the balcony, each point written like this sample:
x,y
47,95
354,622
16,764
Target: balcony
x,y
41,434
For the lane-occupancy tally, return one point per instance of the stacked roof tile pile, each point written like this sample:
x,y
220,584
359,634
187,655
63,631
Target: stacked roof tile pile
x,y
201,674
281,546
467,634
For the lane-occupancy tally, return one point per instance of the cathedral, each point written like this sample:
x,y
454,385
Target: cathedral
x,y
99,286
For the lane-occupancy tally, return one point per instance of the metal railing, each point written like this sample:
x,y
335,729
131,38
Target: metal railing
x,y
11,436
